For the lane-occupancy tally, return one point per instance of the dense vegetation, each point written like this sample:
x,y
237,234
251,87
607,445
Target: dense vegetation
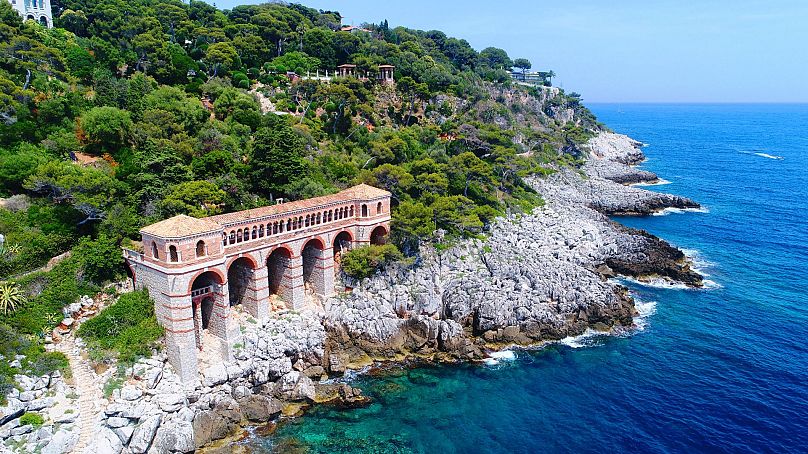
x,y
129,112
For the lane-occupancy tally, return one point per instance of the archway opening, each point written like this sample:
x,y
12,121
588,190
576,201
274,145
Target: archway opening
x,y
277,264
205,290
378,236
342,243
314,257
43,21
200,248
239,277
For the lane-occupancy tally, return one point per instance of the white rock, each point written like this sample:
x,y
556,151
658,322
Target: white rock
x,y
170,402
144,434
130,392
104,442
63,441
215,375
174,436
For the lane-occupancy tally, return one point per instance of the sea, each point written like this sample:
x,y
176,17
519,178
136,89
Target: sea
x,y
721,369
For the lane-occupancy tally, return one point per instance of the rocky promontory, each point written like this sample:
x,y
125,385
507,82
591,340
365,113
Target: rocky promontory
x,y
536,277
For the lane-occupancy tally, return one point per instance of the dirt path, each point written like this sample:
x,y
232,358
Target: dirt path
x,y
87,389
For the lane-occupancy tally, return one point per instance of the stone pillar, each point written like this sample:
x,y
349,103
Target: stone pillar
x,y
178,320
257,297
292,290
322,274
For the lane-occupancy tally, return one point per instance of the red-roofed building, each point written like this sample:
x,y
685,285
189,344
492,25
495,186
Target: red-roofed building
x,y
197,269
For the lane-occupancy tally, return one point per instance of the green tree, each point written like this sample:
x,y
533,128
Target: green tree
x,y
221,57
101,259
195,198
106,129
523,64
412,223
276,160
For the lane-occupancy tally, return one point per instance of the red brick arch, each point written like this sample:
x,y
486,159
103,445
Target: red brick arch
x,y
215,271
309,240
248,257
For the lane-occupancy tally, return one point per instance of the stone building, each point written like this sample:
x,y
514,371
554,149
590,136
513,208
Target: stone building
x,y
37,10
196,270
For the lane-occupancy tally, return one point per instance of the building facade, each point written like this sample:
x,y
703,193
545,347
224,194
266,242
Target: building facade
x,y
38,10
196,270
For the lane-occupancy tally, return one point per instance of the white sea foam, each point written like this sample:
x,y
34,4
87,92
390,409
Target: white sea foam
x,y
669,210
645,309
658,182
656,283
495,358
586,339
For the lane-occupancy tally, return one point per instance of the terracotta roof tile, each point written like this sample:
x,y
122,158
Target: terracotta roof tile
x,y
180,226
359,192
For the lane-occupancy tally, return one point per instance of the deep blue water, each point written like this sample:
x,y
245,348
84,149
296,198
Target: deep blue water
x,y
718,370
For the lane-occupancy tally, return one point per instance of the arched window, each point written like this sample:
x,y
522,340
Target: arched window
x,y
288,225
330,215
154,251
261,231
200,248
172,254
238,236
224,239
319,218
232,237
255,232
307,220
379,208
351,212
364,211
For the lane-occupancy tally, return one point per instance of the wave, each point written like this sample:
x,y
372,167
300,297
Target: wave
x,y
586,339
658,182
671,210
495,358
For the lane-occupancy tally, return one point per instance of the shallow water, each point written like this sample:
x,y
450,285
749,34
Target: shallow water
x,y
723,369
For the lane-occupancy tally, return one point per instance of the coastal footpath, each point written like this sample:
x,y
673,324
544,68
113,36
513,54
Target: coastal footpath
x,y
536,278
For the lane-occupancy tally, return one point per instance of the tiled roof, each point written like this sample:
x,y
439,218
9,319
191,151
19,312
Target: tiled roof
x,y
359,192
180,226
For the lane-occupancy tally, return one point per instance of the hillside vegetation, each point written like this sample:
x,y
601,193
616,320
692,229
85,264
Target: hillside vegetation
x,y
126,113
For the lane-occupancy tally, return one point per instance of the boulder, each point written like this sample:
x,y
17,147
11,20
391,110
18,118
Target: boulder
x,y
130,392
174,436
215,375
170,402
104,442
63,441
143,435
259,408
294,386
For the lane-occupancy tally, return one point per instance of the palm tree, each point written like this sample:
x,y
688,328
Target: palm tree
x,y
11,297
550,75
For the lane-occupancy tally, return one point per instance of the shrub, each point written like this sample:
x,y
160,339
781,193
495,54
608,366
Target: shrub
x,y
127,327
365,261
101,259
34,419
47,362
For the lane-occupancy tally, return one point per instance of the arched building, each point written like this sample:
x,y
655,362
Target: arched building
x,y
196,269
37,10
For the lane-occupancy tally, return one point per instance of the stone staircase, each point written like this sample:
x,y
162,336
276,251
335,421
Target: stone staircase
x,y
87,389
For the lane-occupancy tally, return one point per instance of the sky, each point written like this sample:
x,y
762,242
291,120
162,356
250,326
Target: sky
x,y
625,50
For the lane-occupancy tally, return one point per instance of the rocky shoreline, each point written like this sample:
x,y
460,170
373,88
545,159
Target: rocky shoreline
x,y
536,278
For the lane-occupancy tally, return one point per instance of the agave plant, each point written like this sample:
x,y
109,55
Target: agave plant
x,y
11,297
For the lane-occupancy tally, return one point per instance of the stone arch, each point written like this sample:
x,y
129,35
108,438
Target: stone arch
x,y
43,20
318,276
173,255
278,276
205,296
200,249
342,242
379,235
30,17
240,277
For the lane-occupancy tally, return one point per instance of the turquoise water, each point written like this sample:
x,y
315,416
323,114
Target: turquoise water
x,y
718,370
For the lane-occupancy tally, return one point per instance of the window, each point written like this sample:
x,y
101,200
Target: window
x,y
238,236
261,231
200,248
154,251
255,232
379,208
224,239
364,211
350,212
232,237
172,254
307,220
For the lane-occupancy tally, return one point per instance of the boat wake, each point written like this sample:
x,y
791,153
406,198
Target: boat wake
x,y
761,154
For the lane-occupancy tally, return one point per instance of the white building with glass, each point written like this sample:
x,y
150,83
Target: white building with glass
x,y
38,10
